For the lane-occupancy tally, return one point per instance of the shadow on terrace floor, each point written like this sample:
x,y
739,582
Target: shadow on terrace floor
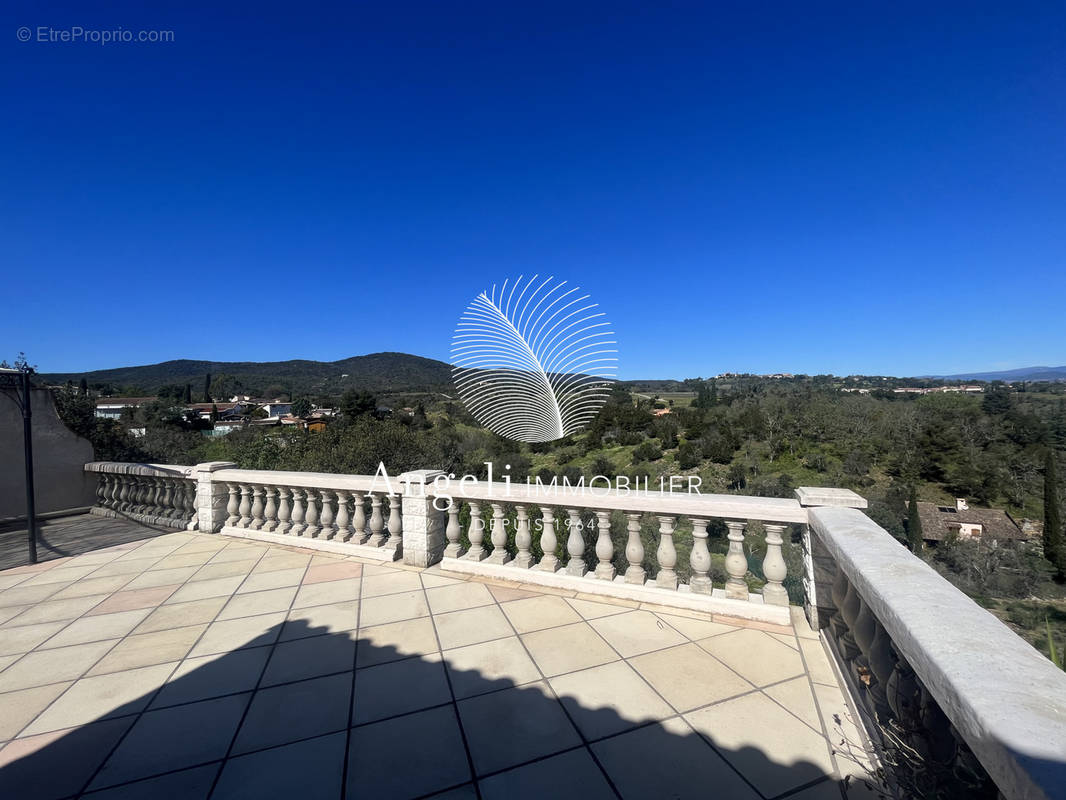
x,y
268,720
63,537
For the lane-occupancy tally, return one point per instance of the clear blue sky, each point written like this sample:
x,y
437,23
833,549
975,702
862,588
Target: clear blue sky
x,y
805,188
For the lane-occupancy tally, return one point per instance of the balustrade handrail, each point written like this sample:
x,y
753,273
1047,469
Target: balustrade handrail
x,y
126,468
309,480
1005,699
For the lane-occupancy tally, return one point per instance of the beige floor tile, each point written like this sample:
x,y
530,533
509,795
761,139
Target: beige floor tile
x,y
817,660
506,728
786,638
688,677
7,580
432,580
177,560
275,579
377,569
239,552
204,677
318,620
310,657
161,577
98,627
91,585
224,569
56,610
179,615
318,594
489,666
7,661
505,594
537,613
381,643
335,571
569,648
797,697
213,587
27,595
695,629
608,699
52,666
458,597
470,626
668,759
765,743
393,608
236,634
67,574
399,687
543,779
10,612
18,640
120,566
22,706
135,598
590,610
392,582
146,649
279,559
757,656
101,697
636,632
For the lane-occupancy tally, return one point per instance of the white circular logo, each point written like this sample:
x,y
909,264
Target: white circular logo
x,y
534,362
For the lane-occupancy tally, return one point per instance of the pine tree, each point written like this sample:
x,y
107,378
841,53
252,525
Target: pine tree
x,y
914,524
207,388
1053,549
188,393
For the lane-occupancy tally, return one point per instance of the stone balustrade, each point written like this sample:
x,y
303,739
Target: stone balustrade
x,y
973,707
960,705
152,494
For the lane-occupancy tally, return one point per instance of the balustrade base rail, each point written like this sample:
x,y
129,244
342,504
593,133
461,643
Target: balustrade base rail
x,y
715,603
384,553
146,519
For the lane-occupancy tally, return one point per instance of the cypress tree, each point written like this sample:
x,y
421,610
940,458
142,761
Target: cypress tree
x,y
207,388
914,524
1053,549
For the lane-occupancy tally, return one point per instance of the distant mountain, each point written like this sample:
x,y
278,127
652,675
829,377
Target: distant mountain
x,y
1011,375
378,373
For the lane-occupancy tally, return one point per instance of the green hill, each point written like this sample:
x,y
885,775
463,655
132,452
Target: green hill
x,y
377,373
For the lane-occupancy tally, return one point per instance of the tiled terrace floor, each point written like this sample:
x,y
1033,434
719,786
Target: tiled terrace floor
x,y
191,665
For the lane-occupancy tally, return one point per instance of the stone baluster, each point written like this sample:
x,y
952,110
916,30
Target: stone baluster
x,y
297,527
135,494
605,570
155,496
666,554
395,522
270,509
191,518
700,559
523,540
476,534
311,528
143,494
343,524
160,489
284,510
359,518
773,567
499,554
377,522
325,522
168,498
257,508
232,506
124,495
101,489
453,531
838,593
177,500
635,573
849,612
549,562
245,507
107,482
575,543
736,562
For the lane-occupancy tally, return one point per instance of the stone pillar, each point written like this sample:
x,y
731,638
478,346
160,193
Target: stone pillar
x,y
212,497
423,524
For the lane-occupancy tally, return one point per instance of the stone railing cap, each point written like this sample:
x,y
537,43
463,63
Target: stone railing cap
x,y
809,496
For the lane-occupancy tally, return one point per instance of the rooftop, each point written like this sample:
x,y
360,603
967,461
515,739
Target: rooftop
x,y
199,665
